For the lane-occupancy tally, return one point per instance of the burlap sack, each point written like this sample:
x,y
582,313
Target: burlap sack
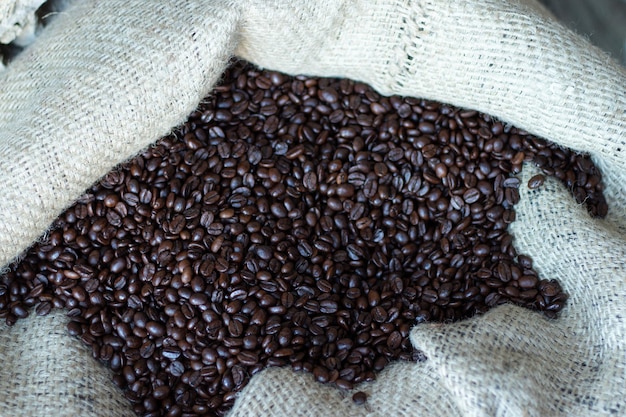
x,y
107,78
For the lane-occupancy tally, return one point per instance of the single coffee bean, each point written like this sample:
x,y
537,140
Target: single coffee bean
x,y
471,196
74,328
43,309
310,181
536,181
359,397
155,329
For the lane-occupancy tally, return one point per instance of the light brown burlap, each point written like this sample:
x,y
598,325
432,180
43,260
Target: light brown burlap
x,y
109,77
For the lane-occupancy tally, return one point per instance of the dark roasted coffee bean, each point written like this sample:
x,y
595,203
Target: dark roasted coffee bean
x,y
511,182
248,358
525,262
43,309
310,181
527,281
155,329
471,196
329,95
536,181
359,397
74,328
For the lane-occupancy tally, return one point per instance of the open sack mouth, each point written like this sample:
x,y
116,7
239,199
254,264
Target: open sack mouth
x,y
291,221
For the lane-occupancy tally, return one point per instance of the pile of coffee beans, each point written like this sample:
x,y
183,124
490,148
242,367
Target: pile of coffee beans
x,y
291,221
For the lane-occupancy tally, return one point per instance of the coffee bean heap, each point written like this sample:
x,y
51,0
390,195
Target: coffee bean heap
x,y
291,221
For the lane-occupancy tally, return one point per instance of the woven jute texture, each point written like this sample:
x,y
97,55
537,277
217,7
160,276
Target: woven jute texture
x,y
107,78
17,18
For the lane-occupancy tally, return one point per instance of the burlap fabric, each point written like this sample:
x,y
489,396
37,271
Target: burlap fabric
x,y
17,19
108,78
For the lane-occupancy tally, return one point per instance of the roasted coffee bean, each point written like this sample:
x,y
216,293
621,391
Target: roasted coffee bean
x,y
471,195
155,329
43,309
291,221
359,397
310,181
536,181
